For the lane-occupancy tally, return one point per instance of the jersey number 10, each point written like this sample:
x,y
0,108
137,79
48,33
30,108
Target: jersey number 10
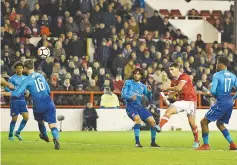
x,y
227,84
39,85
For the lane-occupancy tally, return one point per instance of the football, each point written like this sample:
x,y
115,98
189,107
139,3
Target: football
x,y
43,52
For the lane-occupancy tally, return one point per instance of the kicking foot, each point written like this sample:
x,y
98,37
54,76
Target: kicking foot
x,y
204,147
196,145
233,146
11,138
153,144
18,136
45,138
56,144
157,128
138,145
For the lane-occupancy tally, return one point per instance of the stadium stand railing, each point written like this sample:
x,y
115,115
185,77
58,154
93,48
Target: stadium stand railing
x,y
92,95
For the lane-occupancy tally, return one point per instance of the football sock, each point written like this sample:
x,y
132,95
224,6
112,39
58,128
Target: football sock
x,y
163,120
22,125
195,133
12,126
205,138
153,135
42,129
136,129
227,136
55,133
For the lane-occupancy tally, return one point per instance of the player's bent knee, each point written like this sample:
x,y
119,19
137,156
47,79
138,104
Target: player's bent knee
x,y
204,121
40,121
14,118
219,124
52,125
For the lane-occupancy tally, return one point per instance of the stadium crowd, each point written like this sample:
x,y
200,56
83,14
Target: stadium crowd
x,y
124,38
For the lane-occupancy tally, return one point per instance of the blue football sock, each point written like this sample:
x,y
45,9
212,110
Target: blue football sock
x,y
42,129
137,132
153,135
55,133
227,136
205,138
12,126
22,125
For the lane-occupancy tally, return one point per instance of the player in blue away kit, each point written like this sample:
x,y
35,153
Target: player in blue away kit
x,y
17,104
43,106
132,93
222,83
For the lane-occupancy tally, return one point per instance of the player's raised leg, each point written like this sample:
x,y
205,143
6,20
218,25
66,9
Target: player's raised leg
x,y
226,134
191,120
12,127
165,118
25,116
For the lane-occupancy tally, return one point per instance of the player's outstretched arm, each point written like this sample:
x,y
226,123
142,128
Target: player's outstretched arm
x,y
147,92
21,89
235,96
177,88
214,84
6,84
125,91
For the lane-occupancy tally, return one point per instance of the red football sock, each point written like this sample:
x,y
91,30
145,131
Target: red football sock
x,y
163,120
195,133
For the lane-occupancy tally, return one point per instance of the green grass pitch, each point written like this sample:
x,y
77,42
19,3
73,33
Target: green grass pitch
x,y
115,148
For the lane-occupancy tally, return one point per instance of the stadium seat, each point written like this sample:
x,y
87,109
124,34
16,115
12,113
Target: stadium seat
x,y
217,14
196,12
164,12
211,20
205,13
175,13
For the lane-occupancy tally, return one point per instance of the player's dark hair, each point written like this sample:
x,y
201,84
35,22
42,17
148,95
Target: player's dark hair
x,y
18,64
223,60
175,65
29,64
138,70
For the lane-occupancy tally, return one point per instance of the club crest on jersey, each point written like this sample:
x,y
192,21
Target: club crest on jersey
x,y
133,114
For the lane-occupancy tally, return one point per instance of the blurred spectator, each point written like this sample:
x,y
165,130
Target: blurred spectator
x,y
204,91
129,67
71,26
85,5
24,31
109,17
227,31
109,99
90,117
118,83
199,42
23,10
67,99
96,16
155,21
58,27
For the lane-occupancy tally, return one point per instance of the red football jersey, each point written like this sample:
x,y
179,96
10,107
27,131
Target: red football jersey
x,y
188,92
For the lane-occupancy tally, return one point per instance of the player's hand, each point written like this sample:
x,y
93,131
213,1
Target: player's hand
x,y
164,89
233,102
149,88
10,85
134,97
27,93
4,93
